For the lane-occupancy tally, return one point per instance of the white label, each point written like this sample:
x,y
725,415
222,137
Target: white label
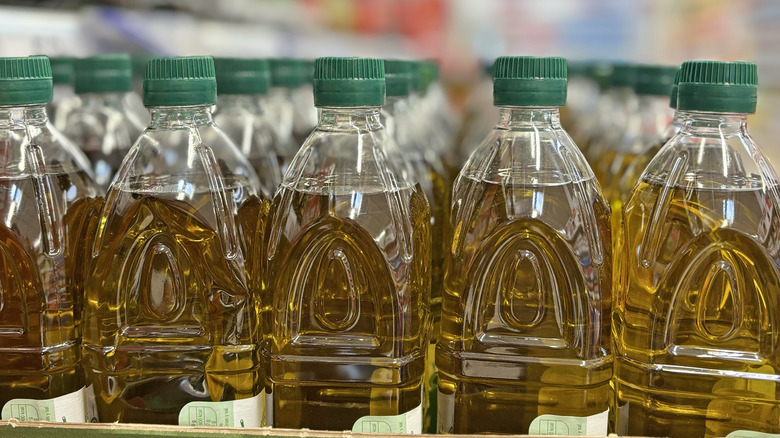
x,y
594,425
410,422
68,408
246,412
90,404
751,434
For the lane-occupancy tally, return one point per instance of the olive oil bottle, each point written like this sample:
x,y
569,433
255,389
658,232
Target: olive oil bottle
x,y
524,345
696,307
346,316
170,328
48,202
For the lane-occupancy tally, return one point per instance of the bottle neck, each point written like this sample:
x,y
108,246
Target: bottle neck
x,y
512,117
711,123
177,117
12,117
350,118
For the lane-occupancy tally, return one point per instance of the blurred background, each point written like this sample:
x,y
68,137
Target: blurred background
x,y
460,34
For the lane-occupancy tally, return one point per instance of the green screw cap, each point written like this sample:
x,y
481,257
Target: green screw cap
x,y
242,76
623,75
673,95
104,74
723,87
429,72
655,80
578,69
349,82
529,81
181,81
600,72
289,73
25,81
62,69
398,78
416,76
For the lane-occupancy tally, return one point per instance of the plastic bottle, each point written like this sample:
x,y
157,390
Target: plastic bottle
x,y
582,94
48,202
428,100
170,322
347,313
401,127
242,112
524,344
103,126
290,79
591,125
479,114
696,315
64,99
620,107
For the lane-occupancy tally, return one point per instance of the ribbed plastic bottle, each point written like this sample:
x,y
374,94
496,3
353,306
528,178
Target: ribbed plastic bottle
x,y
243,113
290,80
64,98
525,336
48,202
170,327
103,126
696,317
347,312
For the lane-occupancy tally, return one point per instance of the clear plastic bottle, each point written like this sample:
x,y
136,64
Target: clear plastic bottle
x,y
593,124
48,202
64,99
582,95
170,326
103,126
290,80
429,101
524,344
347,312
620,108
397,119
696,314
479,114
242,113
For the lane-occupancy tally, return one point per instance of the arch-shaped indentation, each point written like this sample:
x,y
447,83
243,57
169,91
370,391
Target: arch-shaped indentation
x,y
716,296
335,290
161,280
525,287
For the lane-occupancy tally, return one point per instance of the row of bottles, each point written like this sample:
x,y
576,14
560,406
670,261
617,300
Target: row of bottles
x,y
360,282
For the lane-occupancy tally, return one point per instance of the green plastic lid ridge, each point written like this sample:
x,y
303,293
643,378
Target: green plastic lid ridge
x,y
289,72
242,75
398,77
716,86
103,74
623,75
529,81
25,80
654,80
62,69
673,94
183,81
349,82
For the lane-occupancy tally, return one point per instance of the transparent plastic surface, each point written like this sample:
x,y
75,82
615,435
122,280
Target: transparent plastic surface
x,y
170,315
525,312
105,128
696,314
63,102
304,113
48,202
604,130
281,109
347,311
245,119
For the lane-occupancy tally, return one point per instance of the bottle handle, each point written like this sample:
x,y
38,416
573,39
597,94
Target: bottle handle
x,y
223,204
49,211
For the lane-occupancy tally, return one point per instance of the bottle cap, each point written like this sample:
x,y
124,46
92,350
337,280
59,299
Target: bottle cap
x,y
600,72
289,73
398,78
415,77
623,75
723,87
578,69
242,76
139,61
655,80
181,81
103,74
25,81
349,82
429,71
529,81
673,94
62,69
